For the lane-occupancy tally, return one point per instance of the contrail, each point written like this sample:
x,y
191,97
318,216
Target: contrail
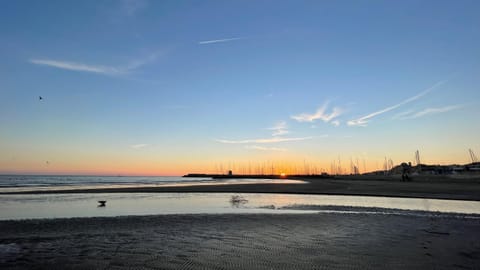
x,y
218,40
362,121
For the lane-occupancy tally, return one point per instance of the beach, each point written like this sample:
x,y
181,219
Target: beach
x,y
253,241
280,226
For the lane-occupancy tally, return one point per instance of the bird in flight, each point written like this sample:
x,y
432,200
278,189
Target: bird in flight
x,y
40,97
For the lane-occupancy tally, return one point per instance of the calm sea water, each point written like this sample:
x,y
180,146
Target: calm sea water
x,y
11,183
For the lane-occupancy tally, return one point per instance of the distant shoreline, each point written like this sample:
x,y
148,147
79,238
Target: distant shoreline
x,y
419,188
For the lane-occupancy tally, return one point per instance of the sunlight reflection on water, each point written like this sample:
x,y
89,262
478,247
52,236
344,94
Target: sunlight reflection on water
x,y
118,204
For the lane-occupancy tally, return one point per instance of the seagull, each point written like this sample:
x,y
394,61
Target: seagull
x,y
102,203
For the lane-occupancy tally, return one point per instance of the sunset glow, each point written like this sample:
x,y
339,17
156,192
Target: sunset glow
x,y
131,91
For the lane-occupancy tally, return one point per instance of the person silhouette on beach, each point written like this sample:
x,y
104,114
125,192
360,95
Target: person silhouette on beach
x,y
405,172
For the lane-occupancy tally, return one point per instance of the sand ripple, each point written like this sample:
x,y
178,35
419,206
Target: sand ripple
x,y
254,241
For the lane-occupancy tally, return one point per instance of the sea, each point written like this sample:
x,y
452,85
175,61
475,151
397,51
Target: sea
x,y
15,183
80,205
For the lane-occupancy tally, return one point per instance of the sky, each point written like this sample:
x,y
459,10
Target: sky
x,y
140,87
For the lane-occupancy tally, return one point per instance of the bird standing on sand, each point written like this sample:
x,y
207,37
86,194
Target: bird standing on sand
x,y
102,203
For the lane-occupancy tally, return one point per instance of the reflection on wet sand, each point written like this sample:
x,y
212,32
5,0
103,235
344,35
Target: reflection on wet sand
x,y
120,204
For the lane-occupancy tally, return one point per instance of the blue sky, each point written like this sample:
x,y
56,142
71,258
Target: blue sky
x,y
167,87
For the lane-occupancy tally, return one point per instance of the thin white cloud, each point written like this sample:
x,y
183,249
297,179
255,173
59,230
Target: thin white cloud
x,y
336,123
362,121
266,140
430,111
262,148
99,69
218,40
279,129
280,132
138,63
77,66
138,146
320,114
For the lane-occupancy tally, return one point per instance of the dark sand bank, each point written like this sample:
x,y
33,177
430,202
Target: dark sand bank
x,y
304,241
461,190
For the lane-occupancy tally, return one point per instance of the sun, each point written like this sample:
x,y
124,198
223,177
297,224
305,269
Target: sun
x,y
283,174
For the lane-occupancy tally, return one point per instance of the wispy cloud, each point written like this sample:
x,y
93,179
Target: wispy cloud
x,y
362,121
279,129
320,114
430,111
77,66
262,148
138,146
219,40
142,61
266,140
99,69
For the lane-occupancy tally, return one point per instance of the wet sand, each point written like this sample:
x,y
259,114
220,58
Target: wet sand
x,y
460,190
253,241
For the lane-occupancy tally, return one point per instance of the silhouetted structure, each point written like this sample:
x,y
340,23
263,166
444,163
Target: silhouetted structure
x,y
472,156
417,160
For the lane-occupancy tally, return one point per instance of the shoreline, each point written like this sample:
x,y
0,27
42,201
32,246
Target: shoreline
x,y
361,187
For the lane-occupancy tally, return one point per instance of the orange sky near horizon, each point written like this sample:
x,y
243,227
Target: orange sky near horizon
x,y
145,165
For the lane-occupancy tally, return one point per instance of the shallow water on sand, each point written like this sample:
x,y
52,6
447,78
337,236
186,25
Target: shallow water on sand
x,y
28,206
